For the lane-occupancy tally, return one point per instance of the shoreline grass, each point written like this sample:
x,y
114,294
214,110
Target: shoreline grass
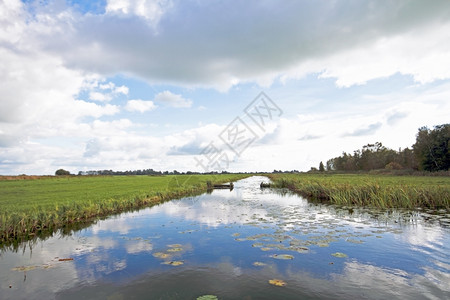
x,y
41,205
381,191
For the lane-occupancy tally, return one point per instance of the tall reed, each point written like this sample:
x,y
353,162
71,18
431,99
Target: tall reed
x,y
375,191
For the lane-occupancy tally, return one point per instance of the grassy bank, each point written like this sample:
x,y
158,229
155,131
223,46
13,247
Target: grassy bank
x,y
31,206
370,190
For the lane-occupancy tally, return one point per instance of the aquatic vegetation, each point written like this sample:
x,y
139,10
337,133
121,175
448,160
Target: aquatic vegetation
x,y
354,241
207,297
24,268
173,263
282,256
31,207
161,255
175,249
259,264
277,282
298,249
370,190
339,254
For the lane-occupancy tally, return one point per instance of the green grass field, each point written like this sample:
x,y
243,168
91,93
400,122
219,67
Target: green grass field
x,y
30,206
382,191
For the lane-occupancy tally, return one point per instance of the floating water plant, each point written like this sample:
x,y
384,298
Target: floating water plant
x,y
277,282
161,255
354,241
339,254
259,264
173,263
177,249
23,268
207,297
282,256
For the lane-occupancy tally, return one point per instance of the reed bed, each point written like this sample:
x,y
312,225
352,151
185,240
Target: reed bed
x,y
370,190
32,207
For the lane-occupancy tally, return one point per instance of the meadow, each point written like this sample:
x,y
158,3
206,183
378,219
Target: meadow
x,y
33,205
381,191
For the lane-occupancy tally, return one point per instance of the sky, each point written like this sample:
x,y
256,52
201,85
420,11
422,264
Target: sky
x,y
207,85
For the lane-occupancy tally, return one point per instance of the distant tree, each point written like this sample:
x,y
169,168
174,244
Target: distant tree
x,y
432,148
321,167
393,166
408,159
61,172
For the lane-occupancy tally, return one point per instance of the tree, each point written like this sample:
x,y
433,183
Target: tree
x,y
61,172
321,167
432,148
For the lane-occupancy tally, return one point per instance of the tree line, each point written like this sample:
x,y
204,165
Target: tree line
x,y
143,172
430,152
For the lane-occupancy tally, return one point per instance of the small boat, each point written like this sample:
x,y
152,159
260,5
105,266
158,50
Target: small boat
x,y
229,186
264,185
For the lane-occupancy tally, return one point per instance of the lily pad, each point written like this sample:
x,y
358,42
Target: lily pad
x,y
355,241
236,234
178,249
282,256
207,297
277,282
259,264
175,246
299,249
23,268
173,263
161,255
266,249
339,254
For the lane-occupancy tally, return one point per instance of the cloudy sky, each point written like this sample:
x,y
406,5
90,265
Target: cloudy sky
x,y
176,85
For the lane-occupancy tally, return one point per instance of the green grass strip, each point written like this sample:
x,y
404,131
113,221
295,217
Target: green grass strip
x,y
32,206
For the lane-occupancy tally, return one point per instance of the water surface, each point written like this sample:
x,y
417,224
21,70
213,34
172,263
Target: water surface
x,y
231,244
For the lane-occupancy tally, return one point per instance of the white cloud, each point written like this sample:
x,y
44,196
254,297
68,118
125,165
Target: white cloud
x,y
422,52
121,90
151,10
104,92
173,100
352,42
54,61
96,96
140,105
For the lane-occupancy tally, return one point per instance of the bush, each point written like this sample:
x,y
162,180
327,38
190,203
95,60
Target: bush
x,y
61,172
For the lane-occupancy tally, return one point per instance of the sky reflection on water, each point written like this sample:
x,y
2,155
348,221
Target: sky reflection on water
x,y
228,244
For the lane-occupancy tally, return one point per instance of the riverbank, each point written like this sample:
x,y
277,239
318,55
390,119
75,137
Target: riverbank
x,y
381,191
29,207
